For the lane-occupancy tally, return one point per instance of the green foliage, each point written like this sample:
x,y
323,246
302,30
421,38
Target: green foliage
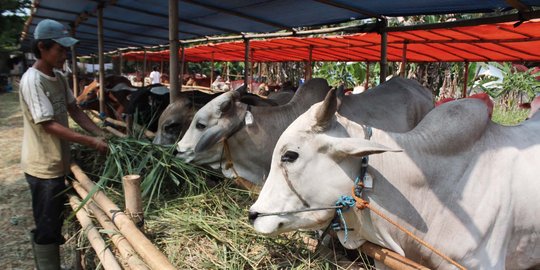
x,y
12,22
348,73
521,82
509,117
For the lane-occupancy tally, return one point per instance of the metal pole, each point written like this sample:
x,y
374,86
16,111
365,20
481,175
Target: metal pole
x,y
403,69
101,64
173,50
384,47
246,63
465,79
144,67
74,66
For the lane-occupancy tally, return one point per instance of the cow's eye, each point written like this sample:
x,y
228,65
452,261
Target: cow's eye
x,y
200,126
289,156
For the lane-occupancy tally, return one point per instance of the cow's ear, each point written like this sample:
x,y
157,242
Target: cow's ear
x,y
344,147
226,105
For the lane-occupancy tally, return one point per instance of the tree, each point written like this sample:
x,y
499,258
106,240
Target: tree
x,y
12,22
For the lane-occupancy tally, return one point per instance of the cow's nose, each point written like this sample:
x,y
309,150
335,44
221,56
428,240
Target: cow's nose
x,y
252,215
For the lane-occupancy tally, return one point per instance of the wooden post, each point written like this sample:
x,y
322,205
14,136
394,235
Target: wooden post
x,y
403,69
144,67
101,63
384,47
251,68
93,56
132,195
173,51
106,257
366,85
390,258
465,79
149,253
246,63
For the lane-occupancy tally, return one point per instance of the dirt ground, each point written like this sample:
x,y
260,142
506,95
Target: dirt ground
x,y
15,201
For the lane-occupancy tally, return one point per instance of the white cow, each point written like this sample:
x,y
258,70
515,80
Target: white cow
x,y
464,184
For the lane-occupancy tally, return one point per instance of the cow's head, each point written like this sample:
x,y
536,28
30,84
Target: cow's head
x,y
314,162
174,121
212,124
89,95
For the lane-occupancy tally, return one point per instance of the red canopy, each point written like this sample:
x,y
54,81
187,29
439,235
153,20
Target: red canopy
x,y
492,42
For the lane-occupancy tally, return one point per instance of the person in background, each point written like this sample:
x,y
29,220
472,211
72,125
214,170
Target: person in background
x,y
46,100
155,76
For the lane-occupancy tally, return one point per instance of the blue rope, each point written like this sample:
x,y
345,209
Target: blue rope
x,y
345,202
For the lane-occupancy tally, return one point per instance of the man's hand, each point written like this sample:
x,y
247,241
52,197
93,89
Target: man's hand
x,y
101,145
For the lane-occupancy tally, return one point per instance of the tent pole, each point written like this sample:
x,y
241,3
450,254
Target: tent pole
x,y
384,47
101,64
144,67
173,51
161,66
246,64
366,85
465,79
403,69
74,66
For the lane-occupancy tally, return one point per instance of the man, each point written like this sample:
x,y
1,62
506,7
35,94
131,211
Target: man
x,y
46,100
155,76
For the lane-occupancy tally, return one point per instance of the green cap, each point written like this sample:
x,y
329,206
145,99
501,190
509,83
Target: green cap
x,y
50,29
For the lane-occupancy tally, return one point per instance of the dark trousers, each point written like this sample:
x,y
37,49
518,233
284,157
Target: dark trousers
x,y
48,202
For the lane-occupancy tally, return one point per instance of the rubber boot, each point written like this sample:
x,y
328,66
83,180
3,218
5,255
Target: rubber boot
x,y
47,257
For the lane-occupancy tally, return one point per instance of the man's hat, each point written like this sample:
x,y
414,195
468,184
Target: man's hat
x,y
50,29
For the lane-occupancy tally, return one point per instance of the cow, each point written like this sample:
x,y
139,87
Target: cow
x,y
461,183
251,133
481,96
115,101
175,119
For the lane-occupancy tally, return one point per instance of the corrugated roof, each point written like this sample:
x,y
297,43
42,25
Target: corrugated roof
x,y
145,22
492,42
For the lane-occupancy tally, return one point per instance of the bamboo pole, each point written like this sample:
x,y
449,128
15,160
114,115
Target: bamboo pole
x,y
403,69
121,67
144,68
465,79
150,254
173,51
94,237
133,201
182,68
390,258
212,70
309,67
124,247
100,59
147,133
366,85
384,47
246,64
115,132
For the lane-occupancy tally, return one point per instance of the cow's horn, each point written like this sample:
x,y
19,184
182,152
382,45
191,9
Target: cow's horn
x,y
326,111
241,90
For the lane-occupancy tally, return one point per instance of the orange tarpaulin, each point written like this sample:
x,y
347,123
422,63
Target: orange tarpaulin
x,y
491,42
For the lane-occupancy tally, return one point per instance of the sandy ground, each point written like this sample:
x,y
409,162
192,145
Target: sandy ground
x,y
15,201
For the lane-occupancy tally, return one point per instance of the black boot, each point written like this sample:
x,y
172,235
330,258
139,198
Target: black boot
x,y
47,257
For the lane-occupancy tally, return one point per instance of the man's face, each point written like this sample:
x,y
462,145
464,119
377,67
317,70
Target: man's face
x,y
55,56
